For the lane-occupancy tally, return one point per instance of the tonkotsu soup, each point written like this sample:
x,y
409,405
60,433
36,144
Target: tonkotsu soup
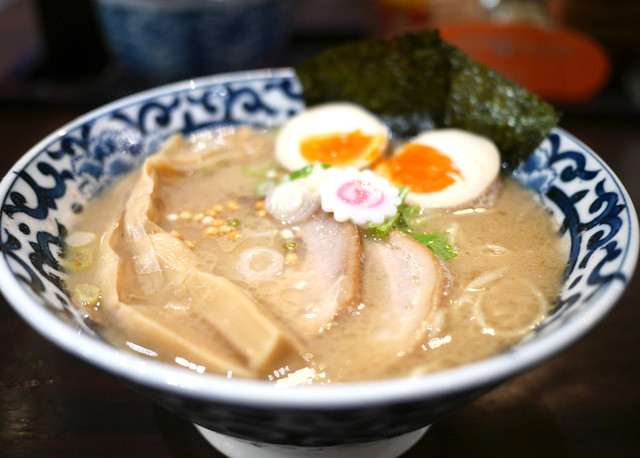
x,y
223,255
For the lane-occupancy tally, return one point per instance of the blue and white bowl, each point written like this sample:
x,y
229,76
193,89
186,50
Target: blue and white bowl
x,y
252,418
166,40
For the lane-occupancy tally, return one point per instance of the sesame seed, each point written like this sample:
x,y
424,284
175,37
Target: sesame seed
x,y
172,217
217,208
207,220
232,205
217,222
189,243
211,231
224,228
233,235
198,216
262,213
290,258
259,205
185,215
176,234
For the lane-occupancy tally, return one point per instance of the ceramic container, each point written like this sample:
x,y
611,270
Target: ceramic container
x,y
253,418
166,40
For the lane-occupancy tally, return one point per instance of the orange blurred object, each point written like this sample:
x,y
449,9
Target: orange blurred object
x,y
556,63
398,15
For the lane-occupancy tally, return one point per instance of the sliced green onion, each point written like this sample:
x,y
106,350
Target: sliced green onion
x,y
261,169
263,188
305,171
289,245
87,294
77,258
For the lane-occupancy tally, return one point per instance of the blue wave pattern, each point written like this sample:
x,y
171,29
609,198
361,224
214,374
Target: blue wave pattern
x,y
75,166
582,195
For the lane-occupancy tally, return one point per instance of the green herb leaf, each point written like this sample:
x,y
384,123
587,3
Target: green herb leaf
x,y
437,243
381,230
405,219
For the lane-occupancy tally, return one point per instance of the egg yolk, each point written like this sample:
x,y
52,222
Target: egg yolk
x,y
341,148
420,167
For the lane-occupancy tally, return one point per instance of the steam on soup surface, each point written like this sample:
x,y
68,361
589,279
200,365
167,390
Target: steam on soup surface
x,y
215,257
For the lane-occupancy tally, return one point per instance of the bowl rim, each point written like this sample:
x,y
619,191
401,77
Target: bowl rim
x,y
217,388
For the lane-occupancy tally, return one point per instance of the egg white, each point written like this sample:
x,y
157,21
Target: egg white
x,y
476,157
325,119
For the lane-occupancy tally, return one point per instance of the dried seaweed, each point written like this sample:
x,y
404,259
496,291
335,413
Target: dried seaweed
x,y
399,79
415,81
485,102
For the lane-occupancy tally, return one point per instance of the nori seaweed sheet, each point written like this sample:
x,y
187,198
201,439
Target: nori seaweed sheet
x,y
483,101
415,81
385,76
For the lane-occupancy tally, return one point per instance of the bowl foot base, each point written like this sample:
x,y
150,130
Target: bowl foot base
x,y
386,448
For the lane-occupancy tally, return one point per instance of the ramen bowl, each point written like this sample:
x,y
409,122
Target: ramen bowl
x,y
241,417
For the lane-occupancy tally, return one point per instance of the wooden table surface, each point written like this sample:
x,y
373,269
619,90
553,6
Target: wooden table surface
x,y
585,402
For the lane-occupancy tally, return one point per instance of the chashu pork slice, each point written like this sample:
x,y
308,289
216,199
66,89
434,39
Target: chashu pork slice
x,y
402,283
324,282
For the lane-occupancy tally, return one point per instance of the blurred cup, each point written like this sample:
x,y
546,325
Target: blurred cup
x,y
167,40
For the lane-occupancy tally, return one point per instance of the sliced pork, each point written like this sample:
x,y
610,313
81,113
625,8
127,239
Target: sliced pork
x,y
402,284
314,290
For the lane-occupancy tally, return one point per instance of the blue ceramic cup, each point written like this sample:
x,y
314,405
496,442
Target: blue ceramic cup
x,y
166,40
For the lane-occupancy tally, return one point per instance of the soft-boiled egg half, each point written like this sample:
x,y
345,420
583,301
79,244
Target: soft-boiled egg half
x,y
443,168
338,134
